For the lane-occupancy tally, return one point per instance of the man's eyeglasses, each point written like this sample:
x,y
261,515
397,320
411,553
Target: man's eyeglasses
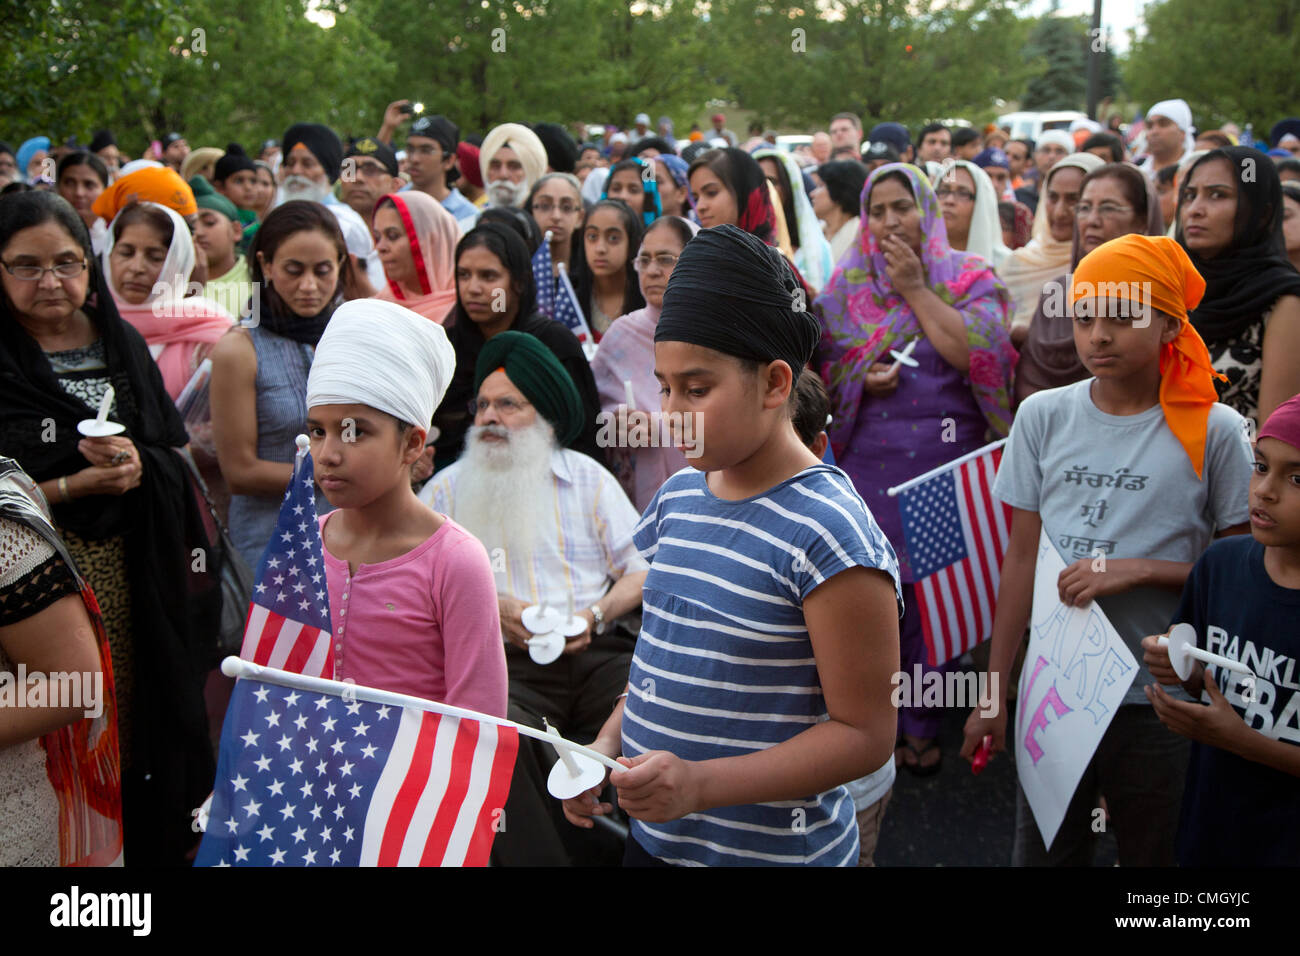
x,y
506,406
64,270
1107,210
960,192
664,260
546,207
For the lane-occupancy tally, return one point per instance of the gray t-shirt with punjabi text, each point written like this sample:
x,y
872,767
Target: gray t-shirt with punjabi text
x,y
1122,486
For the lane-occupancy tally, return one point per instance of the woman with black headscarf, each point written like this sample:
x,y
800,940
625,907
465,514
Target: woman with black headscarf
x,y
122,504
495,293
1230,223
728,187
301,271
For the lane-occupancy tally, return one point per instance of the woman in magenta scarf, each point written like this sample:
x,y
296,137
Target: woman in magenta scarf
x,y
900,282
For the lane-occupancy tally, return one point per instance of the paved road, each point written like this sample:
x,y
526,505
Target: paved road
x,y
956,818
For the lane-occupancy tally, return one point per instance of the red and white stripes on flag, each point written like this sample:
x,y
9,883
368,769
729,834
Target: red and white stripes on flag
x,y
956,535
273,640
439,798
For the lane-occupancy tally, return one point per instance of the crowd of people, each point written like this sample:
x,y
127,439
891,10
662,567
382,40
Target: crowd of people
x,y
744,589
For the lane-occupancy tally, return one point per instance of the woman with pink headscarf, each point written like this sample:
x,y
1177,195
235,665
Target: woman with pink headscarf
x,y
416,241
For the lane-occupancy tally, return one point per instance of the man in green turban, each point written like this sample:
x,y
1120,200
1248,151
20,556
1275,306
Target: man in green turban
x,y
558,529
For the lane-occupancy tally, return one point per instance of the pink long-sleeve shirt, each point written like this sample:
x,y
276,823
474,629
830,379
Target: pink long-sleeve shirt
x,y
424,624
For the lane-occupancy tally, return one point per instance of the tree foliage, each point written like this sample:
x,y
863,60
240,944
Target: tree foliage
x,y
485,61
901,60
1229,60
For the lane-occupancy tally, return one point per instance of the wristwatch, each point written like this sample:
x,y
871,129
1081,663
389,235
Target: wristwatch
x,y
599,617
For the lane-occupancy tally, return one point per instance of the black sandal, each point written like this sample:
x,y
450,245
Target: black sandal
x,y
922,770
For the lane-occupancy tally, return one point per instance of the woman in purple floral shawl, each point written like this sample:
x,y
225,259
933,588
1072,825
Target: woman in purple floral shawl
x,y
900,282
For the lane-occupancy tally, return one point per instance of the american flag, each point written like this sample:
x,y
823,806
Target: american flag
x,y
323,779
956,534
544,278
569,312
288,624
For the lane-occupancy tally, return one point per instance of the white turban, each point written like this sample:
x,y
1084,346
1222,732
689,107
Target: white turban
x,y
1180,114
383,355
1058,136
523,141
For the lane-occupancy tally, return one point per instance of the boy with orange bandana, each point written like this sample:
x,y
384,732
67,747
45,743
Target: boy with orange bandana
x,y
1131,473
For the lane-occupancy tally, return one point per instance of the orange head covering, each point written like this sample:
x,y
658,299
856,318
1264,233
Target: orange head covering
x,y
1163,277
162,185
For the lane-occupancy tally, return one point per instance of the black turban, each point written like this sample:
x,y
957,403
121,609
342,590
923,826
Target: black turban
x,y
102,139
439,129
561,150
733,293
322,143
535,371
234,161
381,152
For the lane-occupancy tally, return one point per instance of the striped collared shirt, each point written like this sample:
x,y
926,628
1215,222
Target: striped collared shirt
x,y
592,542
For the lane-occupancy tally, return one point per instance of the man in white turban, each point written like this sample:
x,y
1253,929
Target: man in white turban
x,y
1168,134
511,159
412,599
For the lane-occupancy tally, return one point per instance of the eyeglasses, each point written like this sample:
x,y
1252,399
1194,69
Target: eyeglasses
x,y
943,192
1107,210
506,406
664,260
546,207
423,150
64,270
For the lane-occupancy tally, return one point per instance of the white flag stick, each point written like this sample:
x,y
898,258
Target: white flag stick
x,y
238,667
956,462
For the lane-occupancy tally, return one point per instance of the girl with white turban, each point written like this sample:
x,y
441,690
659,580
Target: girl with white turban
x,y
412,597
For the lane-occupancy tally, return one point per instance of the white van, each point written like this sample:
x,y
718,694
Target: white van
x,y
1028,125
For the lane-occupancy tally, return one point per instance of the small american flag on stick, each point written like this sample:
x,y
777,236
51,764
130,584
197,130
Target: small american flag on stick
x,y
956,534
288,624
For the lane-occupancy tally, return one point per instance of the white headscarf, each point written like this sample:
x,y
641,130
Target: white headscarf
x,y
813,257
383,355
176,268
1180,114
1026,270
985,236
595,184
1058,136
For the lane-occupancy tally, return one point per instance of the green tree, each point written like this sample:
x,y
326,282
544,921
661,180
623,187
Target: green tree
x,y
69,63
484,62
901,60
1059,48
246,70
1230,61
214,70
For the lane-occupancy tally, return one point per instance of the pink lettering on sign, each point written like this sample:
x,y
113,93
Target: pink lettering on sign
x,y
1039,722
1029,691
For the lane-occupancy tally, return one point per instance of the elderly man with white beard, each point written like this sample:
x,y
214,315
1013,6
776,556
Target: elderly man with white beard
x,y
511,159
555,523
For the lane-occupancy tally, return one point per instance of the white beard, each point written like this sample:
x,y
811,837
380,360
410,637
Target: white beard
x,y
502,192
505,492
300,187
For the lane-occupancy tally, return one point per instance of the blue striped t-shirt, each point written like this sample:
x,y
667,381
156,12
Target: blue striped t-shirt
x,y
723,665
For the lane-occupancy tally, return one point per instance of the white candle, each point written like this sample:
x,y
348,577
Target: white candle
x,y
104,405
